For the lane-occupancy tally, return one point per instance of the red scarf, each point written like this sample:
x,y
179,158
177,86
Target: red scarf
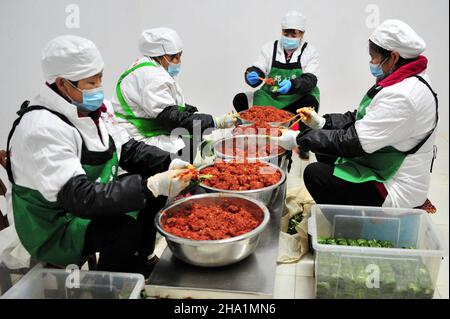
x,y
95,115
413,68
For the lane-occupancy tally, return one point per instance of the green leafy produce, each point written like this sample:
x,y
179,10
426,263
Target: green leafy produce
x,y
356,242
293,222
347,275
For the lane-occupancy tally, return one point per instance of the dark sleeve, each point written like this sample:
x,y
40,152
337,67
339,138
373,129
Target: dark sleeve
x,y
145,160
257,70
336,121
190,108
87,199
342,142
171,117
304,84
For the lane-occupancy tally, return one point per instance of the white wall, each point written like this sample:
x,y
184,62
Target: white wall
x,y
222,38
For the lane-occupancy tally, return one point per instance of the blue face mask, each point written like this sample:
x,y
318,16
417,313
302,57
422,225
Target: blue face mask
x,y
92,99
173,69
290,43
376,69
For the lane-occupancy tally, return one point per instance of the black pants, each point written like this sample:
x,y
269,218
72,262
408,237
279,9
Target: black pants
x,y
326,188
123,241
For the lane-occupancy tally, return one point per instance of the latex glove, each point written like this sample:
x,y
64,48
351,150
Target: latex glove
x,y
288,140
201,161
226,120
285,87
179,164
252,77
311,118
169,183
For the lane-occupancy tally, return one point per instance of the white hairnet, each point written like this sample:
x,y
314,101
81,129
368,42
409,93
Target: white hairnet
x,y
294,20
70,57
160,41
396,35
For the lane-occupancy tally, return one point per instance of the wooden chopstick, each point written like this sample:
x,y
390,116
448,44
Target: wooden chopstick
x,y
292,125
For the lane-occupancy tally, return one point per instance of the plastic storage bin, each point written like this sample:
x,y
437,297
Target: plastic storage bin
x,y
46,283
408,270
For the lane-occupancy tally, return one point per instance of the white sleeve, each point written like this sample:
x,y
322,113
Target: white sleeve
x,y
388,121
156,95
51,159
264,59
310,61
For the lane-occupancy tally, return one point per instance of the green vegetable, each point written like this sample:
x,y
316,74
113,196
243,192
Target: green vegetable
x,y
293,222
346,275
357,242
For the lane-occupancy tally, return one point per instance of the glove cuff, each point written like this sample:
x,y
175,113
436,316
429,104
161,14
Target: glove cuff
x,y
321,122
152,186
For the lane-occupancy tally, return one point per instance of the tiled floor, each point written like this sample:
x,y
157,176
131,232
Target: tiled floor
x,y
296,281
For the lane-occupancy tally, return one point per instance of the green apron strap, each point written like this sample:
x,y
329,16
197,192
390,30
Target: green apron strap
x,y
122,101
146,126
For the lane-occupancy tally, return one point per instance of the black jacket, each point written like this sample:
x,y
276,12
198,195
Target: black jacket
x,y
338,137
87,199
171,117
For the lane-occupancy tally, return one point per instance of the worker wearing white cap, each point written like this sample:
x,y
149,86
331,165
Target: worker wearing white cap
x,y
292,63
149,102
67,200
382,153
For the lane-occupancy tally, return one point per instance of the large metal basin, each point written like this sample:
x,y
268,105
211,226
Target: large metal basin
x,y
214,253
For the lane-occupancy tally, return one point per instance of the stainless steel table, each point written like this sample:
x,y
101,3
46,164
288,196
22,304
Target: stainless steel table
x,y
253,277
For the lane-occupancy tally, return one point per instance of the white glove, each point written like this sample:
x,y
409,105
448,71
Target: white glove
x,y
288,140
179,164
200,161
311,118
225,121
169,183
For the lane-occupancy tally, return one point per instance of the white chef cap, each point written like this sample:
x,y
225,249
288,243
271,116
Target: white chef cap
x,y
294,20
396,35
160,41
70,57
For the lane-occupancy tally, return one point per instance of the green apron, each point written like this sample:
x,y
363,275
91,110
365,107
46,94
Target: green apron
x,y
383,164
45,229
146,126
279,72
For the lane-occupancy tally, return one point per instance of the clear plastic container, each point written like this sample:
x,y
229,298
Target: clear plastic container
x,y
46,283
408,270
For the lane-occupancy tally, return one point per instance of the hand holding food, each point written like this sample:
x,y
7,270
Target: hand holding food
x,y
171,182
285,87
288,140
311,118
179,164
226,121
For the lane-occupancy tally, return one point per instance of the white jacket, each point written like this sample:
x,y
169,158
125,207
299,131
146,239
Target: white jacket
x,y
46,153
309,59
400,116
148,91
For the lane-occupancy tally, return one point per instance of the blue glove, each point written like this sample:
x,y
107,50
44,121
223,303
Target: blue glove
x,y
285,87
252,77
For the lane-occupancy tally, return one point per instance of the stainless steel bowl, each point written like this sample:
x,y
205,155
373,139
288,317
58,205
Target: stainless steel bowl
x,y
279,159
286,124
266,195
214,253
